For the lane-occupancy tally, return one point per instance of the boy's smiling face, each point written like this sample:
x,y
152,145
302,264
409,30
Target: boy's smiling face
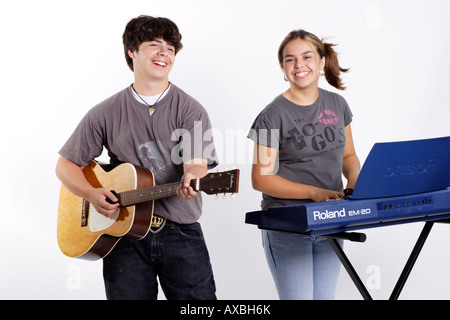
x,y
154,59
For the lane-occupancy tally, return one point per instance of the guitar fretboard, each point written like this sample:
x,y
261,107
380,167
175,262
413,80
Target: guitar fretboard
x,y
129,198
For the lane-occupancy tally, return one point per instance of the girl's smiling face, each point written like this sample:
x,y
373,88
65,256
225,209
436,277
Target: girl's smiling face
x,y
302,64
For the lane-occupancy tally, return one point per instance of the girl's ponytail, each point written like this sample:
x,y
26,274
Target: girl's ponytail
x,y
332,68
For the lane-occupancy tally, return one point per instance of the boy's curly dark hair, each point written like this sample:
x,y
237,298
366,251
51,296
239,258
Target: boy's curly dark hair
x,y
147,28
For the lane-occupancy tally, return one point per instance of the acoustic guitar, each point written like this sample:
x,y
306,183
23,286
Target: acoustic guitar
x,y
84,233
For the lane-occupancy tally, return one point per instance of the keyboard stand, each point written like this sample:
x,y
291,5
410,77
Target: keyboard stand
x,y
332,239
412,259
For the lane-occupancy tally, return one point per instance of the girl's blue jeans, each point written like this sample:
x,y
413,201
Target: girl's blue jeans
x,y
303,267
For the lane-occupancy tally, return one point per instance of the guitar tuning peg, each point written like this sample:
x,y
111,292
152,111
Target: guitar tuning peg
x,y
234,168
216,197
226,169
224,196
233,196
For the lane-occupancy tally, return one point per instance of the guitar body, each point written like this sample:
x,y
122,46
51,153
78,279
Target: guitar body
x,y
84,233
97,235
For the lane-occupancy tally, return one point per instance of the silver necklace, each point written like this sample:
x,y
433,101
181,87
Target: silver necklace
x,y
151,108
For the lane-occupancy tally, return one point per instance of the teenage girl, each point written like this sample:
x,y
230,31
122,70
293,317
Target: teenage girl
x,y
303,145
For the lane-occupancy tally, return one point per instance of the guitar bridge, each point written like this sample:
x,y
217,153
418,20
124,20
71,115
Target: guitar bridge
x,y
85,213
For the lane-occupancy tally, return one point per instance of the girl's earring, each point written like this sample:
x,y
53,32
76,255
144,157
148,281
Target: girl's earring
x,y
285,79
322,73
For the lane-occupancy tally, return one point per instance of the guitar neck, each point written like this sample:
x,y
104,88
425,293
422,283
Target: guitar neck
x,y
129,198
212,183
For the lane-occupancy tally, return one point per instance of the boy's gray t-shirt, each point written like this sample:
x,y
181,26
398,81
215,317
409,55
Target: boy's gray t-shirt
x,y
179,130
310,141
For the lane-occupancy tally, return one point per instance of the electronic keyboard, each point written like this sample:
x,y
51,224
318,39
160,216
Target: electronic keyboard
x,y
400,182
327,217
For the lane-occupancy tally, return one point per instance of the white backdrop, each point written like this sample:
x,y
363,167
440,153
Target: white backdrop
x,y
60,58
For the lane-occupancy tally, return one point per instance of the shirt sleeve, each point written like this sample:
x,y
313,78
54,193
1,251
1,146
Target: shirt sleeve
x,y
348,115
264,132
85,143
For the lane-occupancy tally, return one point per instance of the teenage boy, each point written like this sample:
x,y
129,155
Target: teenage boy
x,y
144,124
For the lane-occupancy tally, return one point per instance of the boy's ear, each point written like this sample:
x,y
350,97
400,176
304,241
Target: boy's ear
x,y
131,54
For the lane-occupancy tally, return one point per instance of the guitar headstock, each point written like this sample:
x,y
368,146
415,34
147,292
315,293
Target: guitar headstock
x,y
219,182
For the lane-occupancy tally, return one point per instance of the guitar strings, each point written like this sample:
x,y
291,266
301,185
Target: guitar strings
x,y
165,190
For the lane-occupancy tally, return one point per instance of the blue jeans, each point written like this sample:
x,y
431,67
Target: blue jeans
x,y
303,267
177,255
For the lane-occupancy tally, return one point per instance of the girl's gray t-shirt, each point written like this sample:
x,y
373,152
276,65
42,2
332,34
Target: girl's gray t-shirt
x,y
310,141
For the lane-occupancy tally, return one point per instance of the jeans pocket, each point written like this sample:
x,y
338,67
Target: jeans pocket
x,y
191,231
